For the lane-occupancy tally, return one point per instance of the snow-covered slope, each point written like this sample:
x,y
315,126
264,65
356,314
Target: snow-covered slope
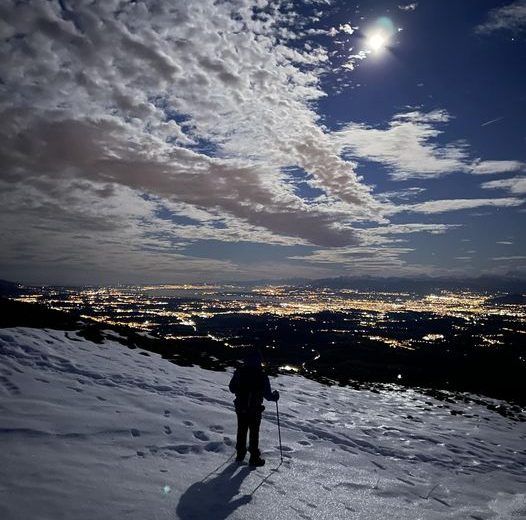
x,y
95,432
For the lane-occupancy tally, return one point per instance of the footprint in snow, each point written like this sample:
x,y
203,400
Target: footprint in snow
x,y
215,447
78,390
135,432
167,413
202,436
188,423
217,428
167,430
305,443
184,449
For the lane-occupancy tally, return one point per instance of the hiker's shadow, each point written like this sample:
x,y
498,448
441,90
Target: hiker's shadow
x,y
213,498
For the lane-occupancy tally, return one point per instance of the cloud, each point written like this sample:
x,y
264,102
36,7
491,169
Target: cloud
x,y
442,206
408,7
201,105
408,147
372,261
515,185
492,121
516,258
511,17
379,252
347,28
489,167
353,59
132,130
403,229
403,194
362,260
73,233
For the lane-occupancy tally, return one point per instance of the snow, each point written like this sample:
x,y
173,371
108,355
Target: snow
x,y
95,431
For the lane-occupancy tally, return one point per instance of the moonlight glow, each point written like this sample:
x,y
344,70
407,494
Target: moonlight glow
x,y
376,42
379,35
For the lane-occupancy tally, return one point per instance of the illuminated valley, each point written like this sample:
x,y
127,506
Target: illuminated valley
x,y
449,339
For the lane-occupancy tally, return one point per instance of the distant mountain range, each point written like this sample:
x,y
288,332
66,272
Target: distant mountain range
x,y
489,283
401,284
513,285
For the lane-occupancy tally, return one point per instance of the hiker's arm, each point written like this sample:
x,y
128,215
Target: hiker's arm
x,y
268,394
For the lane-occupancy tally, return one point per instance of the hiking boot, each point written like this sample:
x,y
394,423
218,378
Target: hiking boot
x,y
256,461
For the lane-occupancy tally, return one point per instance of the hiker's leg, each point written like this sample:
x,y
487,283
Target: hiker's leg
x,y
253,443
242,429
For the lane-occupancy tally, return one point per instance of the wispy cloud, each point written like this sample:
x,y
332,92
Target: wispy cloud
x,y
373,261
380,251
515,185
362,260
515,258
491,121
409,146
408,7
442,206
404,229
489,167
511,17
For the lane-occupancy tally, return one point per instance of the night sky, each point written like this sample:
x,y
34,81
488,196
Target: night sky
x,y
173,141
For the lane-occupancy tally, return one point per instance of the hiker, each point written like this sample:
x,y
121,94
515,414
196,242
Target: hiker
x,y
251,385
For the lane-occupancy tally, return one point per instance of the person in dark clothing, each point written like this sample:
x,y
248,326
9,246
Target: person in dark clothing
x,y
251,385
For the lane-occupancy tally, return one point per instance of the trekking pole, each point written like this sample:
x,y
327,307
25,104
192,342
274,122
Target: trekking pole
x,y
279,433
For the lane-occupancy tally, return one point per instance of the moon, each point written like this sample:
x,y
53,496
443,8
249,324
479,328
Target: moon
x,y
376,42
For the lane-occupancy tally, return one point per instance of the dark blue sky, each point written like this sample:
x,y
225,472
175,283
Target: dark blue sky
x,y
440,61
